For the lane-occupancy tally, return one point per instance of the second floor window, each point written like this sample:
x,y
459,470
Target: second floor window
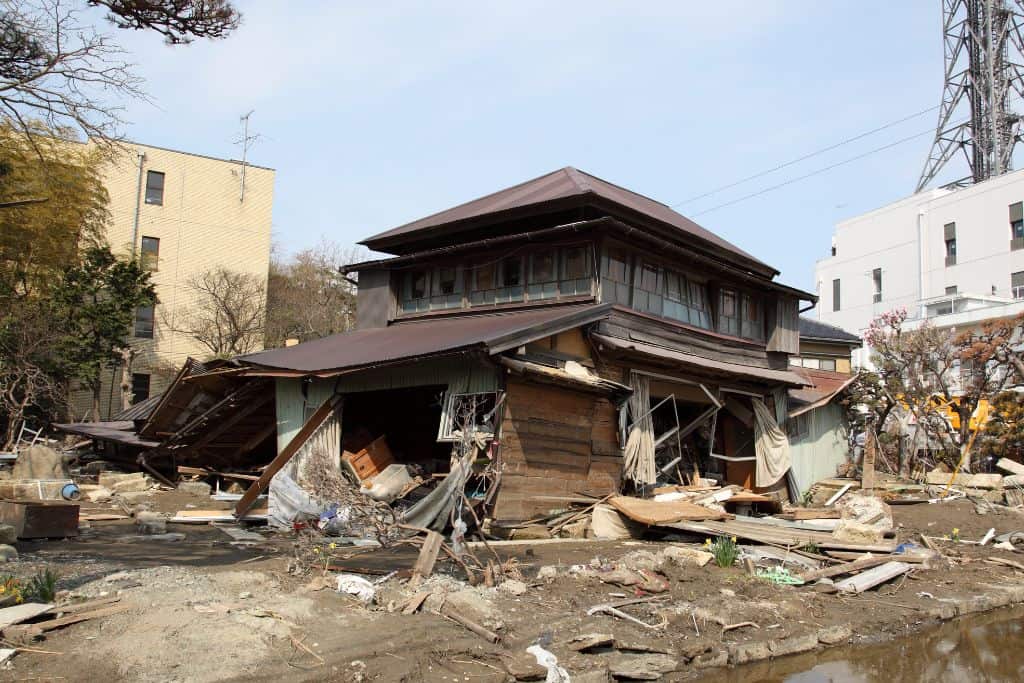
x,y
543,281
835,294
1017,284
876,285
949,234
647,294
615,277
154,187
140,386
447,288
685,300
1017,226
144,322
511,279
728,312
752,324
150,253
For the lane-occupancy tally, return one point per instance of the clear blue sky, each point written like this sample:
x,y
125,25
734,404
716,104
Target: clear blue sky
x,y
378,113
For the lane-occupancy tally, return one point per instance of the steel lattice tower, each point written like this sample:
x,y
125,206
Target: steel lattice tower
x,y
984,50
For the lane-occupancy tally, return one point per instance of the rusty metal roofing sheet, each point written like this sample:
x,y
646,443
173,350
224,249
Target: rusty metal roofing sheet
x,y
118,431
492,332
722,367
824,386
561,184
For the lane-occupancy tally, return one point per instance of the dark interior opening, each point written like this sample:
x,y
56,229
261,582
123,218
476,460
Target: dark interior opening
x,y
408,418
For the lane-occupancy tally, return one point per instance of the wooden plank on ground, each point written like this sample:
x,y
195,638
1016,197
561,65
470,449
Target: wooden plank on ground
x,y
846,568
867,479
655,513
260,485
23,612
800,514
838,494
206,516
1011,466
424,566
780,536
873,577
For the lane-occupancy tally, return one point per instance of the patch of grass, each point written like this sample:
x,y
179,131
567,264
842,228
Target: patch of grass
x,y
42,587
812,548
724,550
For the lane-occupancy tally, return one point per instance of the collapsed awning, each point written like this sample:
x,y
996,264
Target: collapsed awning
x,y
825,385
407,341
715,366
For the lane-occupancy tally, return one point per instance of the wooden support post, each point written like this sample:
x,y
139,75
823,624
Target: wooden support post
x,y
867,481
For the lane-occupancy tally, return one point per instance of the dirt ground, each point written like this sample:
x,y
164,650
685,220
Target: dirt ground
x,y
210,608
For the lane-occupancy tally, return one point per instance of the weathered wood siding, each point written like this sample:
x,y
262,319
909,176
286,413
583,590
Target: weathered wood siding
x,y
784,326
554,442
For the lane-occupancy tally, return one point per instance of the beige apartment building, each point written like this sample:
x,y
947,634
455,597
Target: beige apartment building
x,y
183,214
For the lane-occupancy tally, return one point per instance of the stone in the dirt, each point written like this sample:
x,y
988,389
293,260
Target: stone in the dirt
x,y
196,488
39,462
469,602
591,676
524,667
642,559
133,497
834,634
692,648
852,531
684,555
789,646
711,660
244,595
151,523
646,667
513,587
8,534
8,553
588,641
741,653
547,572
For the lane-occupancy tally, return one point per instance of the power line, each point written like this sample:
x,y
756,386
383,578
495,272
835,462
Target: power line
x,y
815,172
807,156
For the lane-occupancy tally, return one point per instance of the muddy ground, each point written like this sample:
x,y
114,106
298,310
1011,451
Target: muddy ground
x,y
208,608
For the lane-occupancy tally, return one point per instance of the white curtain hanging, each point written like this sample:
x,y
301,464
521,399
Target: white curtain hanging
x,y
639,464
770,446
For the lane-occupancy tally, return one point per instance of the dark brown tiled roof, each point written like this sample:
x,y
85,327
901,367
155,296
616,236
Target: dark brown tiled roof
x,y
423,338
564,183
815,329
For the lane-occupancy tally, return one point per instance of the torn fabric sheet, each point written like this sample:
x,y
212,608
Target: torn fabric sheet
x,y
770,446
638,465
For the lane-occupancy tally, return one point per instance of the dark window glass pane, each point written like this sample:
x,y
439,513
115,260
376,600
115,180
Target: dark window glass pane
x,y
673,290
140,386
512,272
835,295
154,187
483,277
447,280
144,322
150,252
752,309
1018,229
649,277
728,304
542,267
417,284
575,264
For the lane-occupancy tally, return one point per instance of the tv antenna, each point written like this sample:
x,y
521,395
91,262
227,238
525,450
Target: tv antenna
x,y
246,141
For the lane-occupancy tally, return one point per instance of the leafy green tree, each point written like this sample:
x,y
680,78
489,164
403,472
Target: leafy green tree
x,y
97,299
1004,431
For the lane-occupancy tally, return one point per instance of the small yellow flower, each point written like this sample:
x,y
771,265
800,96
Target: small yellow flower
x,y
707,541
956,530
333,546
316,549
733,539
3,589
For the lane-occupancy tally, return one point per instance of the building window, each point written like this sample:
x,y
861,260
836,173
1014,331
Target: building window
x,y
951,289
1017,284
827,364
615,277
415,291
728,312
140,387
483,282
511,279
752,324
876,285
575,277
144,322
798,427
477,411
685,300
949,235
154,187
647,293
835,295
1017,226
447,288
543,284
150,253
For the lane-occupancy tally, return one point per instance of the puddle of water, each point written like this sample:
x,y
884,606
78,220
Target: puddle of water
x,y
988,647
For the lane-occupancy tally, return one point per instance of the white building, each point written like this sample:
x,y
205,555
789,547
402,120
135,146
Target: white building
x,y
955,257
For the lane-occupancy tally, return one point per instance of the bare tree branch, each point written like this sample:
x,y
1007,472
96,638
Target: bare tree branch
x,y
179,21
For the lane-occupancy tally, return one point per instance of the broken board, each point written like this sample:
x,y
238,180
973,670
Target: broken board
x,y
23,612
873,577
654,513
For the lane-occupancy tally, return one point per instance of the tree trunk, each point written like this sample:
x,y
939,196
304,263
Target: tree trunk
x,y
127,355
96,402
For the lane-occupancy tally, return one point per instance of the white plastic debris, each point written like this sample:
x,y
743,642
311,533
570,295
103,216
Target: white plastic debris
x,y
357,586
549,661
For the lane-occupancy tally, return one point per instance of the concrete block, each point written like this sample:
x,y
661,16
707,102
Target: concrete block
x,y
741,653
196,488
131,485
793,645
108,479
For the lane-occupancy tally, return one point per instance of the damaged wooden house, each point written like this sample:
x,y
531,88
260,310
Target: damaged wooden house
x,y
590,338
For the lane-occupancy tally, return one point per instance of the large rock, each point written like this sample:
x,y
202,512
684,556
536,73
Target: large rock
x,y
136,485
8,534
40,462
8,553
852,531
151,523
95,493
